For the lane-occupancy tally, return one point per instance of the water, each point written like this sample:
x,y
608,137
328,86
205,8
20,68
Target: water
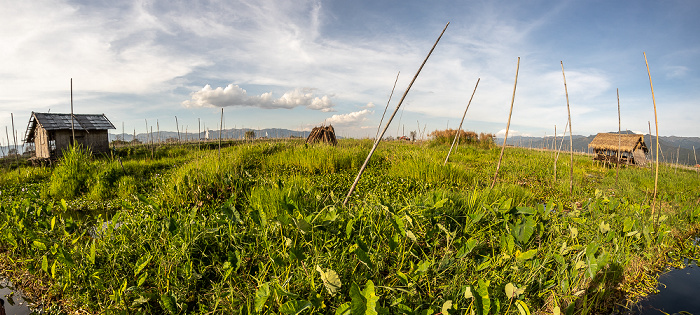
x,y
679,290
15,303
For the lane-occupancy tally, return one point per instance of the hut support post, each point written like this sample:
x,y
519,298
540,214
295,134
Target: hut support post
x,y
510,114
656,123
376,142
459,129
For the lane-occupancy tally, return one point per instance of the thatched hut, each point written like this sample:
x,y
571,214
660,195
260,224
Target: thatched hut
x,y
51,133
631,146
324,134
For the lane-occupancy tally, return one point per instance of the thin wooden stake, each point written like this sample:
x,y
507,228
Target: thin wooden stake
x,y
651,147
503,148
376,142
387,104
14,136
72,127
459,129
678,155
619,140
656,123
561,144
221,126
178,129
571,137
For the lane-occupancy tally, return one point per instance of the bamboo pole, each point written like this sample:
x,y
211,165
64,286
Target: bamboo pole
x,y
199,134
619,140
221,126
459,129
510,114
376,142
14,137
697,169
177,126
678,155
571,137
656,123
72,127
158,131
561,144
387,104
7,134
651,152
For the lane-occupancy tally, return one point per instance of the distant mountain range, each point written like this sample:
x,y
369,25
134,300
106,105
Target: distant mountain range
x,y
234,133
672,148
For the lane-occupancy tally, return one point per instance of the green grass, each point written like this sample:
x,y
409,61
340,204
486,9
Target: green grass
x,y
261,229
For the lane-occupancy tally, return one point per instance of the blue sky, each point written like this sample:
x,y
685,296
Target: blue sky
x,y
297,64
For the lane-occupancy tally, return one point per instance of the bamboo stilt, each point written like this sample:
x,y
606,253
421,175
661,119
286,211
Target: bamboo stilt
x,y
459,129
510,114
376,142
387,104
656,123
571,136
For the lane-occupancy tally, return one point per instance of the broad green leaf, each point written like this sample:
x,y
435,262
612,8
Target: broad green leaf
x,y
364,258
53,222
140,301
440,203
468,292
447,307
261,296
522,307
524,229
483,301
604,227
403,277
510,290
142,279
467,248
526,255
330,280
573,231
44,264
168,303
343,309
142,263
399,225
295,307
303,226
365,301
410,235
628,224
64,205
525,210
591,249
556,310
39,245
53,269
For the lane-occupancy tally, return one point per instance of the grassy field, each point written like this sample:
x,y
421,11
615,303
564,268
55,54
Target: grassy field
x,y
260,228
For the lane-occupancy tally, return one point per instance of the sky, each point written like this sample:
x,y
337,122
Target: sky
x,y
300,64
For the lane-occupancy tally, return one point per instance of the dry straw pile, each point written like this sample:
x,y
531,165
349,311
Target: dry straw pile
x,y
323,134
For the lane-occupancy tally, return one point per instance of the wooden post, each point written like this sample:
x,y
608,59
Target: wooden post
x,y
199,134
571,137
14,137
619,140
460,123
221,127
503,148
678,154
178,129
72,127
387,104
376,142
7,134
656,123
697,169
158,130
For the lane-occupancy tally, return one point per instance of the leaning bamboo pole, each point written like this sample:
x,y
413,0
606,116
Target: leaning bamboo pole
x,y
510,114
459,129
387,104
376,142
651,152
14,136
561,144
656,123
177,126
571,137
619,140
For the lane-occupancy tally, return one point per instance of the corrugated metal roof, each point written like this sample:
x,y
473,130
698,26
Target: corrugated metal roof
x,y
57,121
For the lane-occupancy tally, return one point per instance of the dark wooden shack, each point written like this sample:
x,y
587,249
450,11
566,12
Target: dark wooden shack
x,y
51,133
631,146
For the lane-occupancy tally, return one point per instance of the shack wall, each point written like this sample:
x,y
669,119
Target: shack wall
x,y
96,140
41,143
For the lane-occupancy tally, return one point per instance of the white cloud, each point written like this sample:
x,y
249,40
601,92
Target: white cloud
x,y
349,118
233,95
369,105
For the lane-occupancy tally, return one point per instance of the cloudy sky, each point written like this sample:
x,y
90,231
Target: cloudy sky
x,y
297,64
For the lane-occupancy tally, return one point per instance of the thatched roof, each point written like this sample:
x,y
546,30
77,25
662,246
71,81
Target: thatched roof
x,y
325,134
56,121
626,143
